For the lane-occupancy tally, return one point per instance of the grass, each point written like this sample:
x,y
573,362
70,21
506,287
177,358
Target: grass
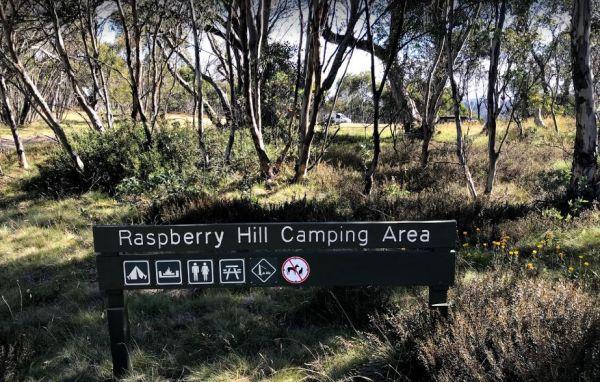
x,y
53,323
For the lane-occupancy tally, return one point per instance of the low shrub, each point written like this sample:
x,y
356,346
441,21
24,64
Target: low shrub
x,y
502,328
118,161
109,158
15,353
205,209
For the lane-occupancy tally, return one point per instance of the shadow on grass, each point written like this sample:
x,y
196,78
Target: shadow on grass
x,y
429,205
53,324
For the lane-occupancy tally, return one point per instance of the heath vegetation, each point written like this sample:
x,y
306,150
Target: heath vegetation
x,y
158,112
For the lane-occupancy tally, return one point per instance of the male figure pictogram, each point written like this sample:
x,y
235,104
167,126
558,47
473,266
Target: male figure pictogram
x,y
195,271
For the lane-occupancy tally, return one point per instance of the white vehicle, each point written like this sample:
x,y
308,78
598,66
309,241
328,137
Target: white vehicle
x,y
337,118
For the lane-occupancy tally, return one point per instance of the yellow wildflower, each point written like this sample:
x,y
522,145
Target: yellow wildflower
x,y
586,264
465,245
534,252
571,269
529,266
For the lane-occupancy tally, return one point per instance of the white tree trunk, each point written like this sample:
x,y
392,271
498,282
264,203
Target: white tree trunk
x,y
539,120
62,52
199,94
31,89
12,123
584,174
492,96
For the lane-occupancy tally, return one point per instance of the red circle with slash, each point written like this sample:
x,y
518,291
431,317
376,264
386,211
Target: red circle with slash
x,y
295,270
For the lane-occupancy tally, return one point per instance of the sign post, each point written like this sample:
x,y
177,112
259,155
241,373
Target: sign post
x,y
118,331
269,255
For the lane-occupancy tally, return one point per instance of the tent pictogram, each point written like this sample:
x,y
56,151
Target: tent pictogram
x,y
136,272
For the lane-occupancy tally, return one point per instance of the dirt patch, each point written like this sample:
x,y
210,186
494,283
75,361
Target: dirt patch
x,y
6,143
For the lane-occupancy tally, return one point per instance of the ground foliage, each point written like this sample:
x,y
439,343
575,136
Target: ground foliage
x,y
525,303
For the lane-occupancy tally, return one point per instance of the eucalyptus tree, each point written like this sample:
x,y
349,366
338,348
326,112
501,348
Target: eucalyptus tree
x,y
253,20
207,24
320,72
62,16
396,31
245,27
173,44
411,15
231,81
553,63
199,94
499,8
425,60
133,25
523,76
158,17
434,77
595,51
90,26
8,116
533,43
21,40
460,19
585,176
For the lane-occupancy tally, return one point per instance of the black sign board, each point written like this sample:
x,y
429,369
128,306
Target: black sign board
x,y
269,255
275,236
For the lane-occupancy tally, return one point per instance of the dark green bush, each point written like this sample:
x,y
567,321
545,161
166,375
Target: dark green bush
x,y
118,161
108,158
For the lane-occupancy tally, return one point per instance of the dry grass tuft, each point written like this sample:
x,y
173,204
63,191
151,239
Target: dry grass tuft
x,y
502,328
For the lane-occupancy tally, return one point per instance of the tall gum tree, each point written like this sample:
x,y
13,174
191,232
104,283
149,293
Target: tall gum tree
x,y
585,177
59,46
90,33
246,30
254,28
9,117
319,82
199,94
435,79
453,50
10,57
132,34
405,13
493,95
395,35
